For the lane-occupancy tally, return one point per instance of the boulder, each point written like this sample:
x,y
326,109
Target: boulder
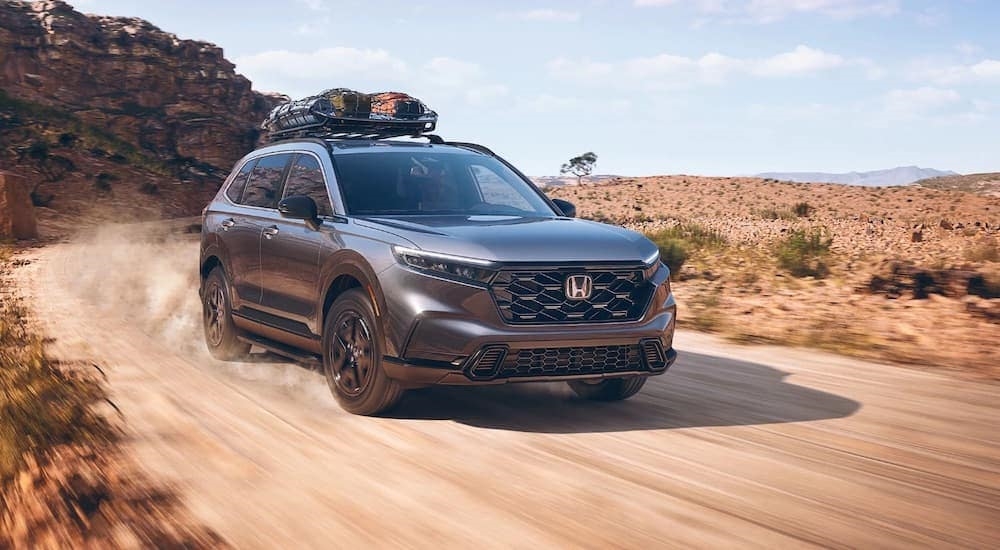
x,y
17,214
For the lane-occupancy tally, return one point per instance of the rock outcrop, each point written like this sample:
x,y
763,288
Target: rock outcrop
x,y
17,215
180,100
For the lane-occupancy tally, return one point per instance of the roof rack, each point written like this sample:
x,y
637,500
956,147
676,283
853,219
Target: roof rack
x,y
357,128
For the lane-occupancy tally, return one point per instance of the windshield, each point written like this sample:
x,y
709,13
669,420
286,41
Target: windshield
x,y
434,183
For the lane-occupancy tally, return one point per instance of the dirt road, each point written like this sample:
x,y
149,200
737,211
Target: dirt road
x,y
749,447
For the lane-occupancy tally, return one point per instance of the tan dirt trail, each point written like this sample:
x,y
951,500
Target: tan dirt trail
x,y
735,446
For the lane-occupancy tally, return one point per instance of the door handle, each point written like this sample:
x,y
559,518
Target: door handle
x,y
270,232
227,224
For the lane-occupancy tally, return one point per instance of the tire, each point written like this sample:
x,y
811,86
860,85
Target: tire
x,y
352,357
614,389
217,318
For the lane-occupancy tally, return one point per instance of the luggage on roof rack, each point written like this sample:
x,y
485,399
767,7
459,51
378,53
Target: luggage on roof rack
x,y
340,112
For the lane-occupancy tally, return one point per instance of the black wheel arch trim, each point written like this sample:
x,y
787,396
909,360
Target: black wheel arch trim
x,y
350,263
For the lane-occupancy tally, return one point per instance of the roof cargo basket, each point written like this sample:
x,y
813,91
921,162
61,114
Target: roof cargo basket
x,y
342,113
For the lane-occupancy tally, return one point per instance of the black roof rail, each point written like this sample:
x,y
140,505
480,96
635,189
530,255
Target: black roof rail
x,y
474,146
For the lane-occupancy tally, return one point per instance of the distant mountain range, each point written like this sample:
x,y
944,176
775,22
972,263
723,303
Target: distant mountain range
x,y
901,175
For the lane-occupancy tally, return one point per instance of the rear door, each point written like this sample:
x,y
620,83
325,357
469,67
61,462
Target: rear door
x,y
237,236
291,251
258,202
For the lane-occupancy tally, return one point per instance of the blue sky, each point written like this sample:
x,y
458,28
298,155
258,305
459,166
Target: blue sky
x,y
717,87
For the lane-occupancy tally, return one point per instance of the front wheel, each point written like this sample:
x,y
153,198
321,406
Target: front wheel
x,y
352,357
613,389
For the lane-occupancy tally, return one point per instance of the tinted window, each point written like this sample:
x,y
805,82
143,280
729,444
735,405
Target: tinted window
x,y
415,183
306,178
265,181
235,191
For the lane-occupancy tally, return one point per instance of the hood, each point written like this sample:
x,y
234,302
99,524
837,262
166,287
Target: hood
x,y
514,239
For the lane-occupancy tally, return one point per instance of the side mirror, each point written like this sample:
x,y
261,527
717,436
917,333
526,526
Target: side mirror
x,y
300,207
565,207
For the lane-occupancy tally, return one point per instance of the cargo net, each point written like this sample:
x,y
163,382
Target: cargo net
x,y
340,112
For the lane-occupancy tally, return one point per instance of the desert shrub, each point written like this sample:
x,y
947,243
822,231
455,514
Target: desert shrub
x,y
673,253
802,209
149,188
68,139
678,242
693,234
41,199
102,182
774,214
802,253
983,251
41,405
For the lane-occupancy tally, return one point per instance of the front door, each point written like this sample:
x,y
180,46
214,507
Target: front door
x,y
291,251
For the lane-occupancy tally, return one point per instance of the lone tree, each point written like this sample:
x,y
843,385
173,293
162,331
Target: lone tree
x,y
580,166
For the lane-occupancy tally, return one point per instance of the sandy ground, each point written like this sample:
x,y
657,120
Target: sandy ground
x,y
734,446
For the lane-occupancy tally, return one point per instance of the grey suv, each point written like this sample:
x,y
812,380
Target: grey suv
x,y
402,264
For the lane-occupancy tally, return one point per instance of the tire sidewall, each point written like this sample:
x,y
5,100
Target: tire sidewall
x,y
370,398
229,347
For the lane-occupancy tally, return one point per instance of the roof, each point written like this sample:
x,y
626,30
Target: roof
x,y
363,145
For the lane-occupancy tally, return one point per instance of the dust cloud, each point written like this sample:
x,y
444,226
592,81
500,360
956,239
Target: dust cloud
x,y
147,276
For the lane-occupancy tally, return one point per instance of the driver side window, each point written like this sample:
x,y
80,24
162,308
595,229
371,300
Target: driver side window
x,y
495,190
306,178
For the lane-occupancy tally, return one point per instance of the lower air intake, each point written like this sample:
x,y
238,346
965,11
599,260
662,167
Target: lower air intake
x,y
486,363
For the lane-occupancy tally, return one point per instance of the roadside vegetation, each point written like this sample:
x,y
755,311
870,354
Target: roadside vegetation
x,y
680,242
803,253
41,404
64,482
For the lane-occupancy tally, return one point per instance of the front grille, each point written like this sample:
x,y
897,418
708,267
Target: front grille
x,y
539,297
572,361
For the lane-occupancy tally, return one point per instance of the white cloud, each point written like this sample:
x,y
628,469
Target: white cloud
x,y
968,48
944,74
986,69
438,80
919,101
486,94
449,72
548,15
669,71
314,5
287,70
802,59
768,11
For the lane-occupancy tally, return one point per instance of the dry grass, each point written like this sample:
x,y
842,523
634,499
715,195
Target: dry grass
x,y
41,405
64,480
777,279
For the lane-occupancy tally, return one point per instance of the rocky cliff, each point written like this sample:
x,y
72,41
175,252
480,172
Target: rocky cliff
x,y
180,100
112,115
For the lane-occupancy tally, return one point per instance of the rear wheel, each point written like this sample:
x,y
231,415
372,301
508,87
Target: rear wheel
x,y
613,389
220,331
352,357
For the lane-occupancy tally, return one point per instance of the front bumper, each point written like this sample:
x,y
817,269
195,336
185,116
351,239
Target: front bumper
x,y
437,329
427,374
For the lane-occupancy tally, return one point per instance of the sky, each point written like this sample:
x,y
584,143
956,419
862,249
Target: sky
x,y
711,87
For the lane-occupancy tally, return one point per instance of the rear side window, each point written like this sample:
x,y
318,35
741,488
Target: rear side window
x,y
265,181
306,178
235,191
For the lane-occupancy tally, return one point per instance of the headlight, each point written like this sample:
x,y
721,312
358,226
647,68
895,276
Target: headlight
x,y
652,266
471,270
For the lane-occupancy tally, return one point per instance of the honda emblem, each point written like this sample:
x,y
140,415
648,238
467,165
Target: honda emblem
x,y
578,287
